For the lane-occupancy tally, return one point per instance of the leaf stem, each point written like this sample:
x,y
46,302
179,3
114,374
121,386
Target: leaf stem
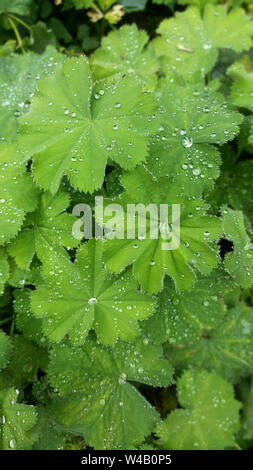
x,y
16,32
12,326
10,15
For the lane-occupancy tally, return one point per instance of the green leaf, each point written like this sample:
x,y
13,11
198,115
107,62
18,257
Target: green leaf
x,y
18,195
17,421
126,51
101,406
242,87
21,7
83,295
134,5
239,262
227,348
198,3
150,261
68,123
18,82
48,433
193,118
5,348
234,185
192,55
25,360
48,227
182,318
208,419
4,270
80,4
26,323
20,277
167,3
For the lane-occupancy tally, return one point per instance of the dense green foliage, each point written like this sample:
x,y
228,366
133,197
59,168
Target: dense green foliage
x,y
116,343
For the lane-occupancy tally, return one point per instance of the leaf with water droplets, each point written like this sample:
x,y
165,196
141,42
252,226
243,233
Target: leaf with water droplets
x,y
190,41
71,120
5,347
25,360
18,195
26,323
208,418
4,270
44,230
193,118
226,348
17,421
97,398
239,262
125,51
19,77
84,295
242,87
181,319
150,260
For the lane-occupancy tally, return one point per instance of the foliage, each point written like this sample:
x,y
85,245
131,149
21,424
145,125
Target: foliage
x,y
117,342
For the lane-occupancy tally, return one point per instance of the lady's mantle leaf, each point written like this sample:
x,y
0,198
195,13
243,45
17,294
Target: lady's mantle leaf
x,y
192,119
190,42
126,51
227,348
5,347
17,420
242,88
46,228
197,3
4,270
209,417
19,76
74,126
150,261
26,359
82,295
97,397
21,7
18,195
239,262
27,324
182,318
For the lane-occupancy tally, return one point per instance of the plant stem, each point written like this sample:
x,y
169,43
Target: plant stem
x,y
19,21
16,32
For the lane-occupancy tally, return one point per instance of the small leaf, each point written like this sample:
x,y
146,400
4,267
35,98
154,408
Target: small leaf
x,y
48,227
17,421
126,51
239,262
18,195
227,348
208,419
5,348
191,55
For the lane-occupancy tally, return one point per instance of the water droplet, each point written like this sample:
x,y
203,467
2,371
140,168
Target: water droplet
x,y
187,143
